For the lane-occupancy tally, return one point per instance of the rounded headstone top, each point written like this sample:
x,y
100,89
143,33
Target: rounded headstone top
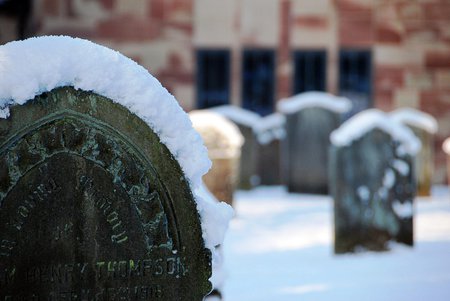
x,y
416,118
39,65
314,99
238,115
365,121
446,146
222,137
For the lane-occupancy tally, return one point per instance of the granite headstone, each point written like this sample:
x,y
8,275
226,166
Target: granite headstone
x,y
93,206
372,183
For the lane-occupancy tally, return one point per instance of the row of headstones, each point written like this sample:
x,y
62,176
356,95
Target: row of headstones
x,y
365,167
292,148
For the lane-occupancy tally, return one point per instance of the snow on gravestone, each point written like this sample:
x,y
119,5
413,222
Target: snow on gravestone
x,y
372,182
424,126
270,131
93,203
311,117
223,140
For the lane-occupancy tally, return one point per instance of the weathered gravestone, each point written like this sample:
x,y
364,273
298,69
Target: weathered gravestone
x,y
310,119
92,205
245,120
270,131
372,182
424,126
223,140
446,149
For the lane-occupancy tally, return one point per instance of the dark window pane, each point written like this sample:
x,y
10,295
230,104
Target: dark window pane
x,y
258,81
355,78
213,73
309,71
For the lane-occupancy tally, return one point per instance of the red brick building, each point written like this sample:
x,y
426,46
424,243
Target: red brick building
x,y
381,53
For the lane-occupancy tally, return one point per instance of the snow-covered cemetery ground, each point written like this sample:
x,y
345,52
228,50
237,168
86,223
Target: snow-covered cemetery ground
x,y
279,247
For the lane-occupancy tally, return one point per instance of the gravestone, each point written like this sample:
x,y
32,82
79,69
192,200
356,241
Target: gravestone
x,y
270,131
446,149
93,206
424,126
245,120
310,119
372,182
223,141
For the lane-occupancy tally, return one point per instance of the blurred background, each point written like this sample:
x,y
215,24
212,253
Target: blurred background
x,y
251,53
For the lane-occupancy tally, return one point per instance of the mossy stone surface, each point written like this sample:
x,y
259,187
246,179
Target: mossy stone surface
x,y
94,207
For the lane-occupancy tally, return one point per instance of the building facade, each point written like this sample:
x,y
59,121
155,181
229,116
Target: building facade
x,y
251,53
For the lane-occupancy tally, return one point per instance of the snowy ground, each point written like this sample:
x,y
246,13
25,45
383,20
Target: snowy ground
x,y
279,248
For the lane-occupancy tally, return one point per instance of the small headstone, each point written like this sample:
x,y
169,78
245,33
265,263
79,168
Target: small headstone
x,y
424,127
270,131
245,120
310,119
372,182
93,206
446,148
223,140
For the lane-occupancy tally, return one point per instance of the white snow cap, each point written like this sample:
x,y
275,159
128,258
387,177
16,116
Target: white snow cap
x,y
446,146
314,99
221,136
367,120
413,117
38,65
238,115
270,127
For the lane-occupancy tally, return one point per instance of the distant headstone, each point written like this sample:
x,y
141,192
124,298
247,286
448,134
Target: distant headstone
x,y
93,206
310,119
424,127
223,140
270,131
372,182
245,120
446,148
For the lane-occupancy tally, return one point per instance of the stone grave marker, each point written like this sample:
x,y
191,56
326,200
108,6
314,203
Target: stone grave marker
x,y
270,131
223,140
93,206
372,182
424,126
310,119
245,120
446,149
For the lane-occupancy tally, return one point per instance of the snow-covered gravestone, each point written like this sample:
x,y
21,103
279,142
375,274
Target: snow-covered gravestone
x,y
97,167
245,120
270,132
311,117
446,149
223,140
372,182
424,127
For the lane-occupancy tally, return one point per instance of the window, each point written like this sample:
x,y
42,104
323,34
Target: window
x,y
309,71
213,78
355,77
258,81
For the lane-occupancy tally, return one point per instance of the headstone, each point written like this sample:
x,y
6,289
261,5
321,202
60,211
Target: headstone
x,y
446,148
245,120
310,119
270,131
372,182
424,127
223,140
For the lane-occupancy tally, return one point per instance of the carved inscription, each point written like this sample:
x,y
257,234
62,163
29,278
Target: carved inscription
x,y
93,207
